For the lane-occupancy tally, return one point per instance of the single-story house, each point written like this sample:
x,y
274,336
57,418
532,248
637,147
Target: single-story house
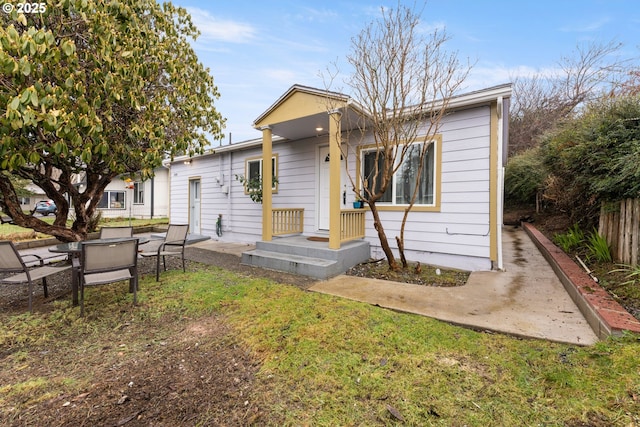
x,y
138,199
307,215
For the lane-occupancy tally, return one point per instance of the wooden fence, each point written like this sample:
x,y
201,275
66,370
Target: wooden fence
x,y
620,225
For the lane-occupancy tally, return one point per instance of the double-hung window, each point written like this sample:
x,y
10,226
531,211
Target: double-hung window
x,y
410,173
138,193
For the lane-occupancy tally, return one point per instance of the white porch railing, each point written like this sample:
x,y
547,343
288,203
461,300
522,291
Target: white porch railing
x,y
287,220
351,224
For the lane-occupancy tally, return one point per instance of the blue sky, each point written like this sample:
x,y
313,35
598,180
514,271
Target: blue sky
x,y
257,50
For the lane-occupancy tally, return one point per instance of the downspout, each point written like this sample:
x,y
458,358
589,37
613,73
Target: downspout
x,y
500,183
153,193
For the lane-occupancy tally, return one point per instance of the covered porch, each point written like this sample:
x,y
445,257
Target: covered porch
x,y
307,114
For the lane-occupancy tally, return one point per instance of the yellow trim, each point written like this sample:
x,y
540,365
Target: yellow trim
x,y
334,179
191,179
437,139
267,194
253,159
297,105
493,180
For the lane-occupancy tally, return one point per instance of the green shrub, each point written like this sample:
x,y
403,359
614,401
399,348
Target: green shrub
x,y
570,240
524,177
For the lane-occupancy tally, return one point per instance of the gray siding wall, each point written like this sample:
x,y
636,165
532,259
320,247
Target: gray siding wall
x,y
457,236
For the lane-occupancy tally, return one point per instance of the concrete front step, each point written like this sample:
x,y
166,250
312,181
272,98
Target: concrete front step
x,y
297,264
308,258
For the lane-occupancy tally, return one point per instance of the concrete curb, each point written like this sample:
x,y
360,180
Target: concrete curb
x,y
28,244
605,315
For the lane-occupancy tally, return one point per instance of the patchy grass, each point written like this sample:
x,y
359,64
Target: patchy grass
x,y
324,361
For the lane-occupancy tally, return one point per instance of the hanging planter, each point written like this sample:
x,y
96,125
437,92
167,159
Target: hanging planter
x,y
358,204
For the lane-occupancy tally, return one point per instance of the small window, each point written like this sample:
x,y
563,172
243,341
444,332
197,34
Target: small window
x,y
112,200
254,170
138,193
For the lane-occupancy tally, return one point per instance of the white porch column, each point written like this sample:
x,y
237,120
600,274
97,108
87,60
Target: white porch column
x,y
267,180
335,117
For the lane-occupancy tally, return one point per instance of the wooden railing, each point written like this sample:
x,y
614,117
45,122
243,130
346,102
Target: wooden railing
x,y
287,220
351,224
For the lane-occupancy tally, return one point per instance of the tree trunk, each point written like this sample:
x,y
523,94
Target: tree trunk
x,y
403,258
11,206
384,243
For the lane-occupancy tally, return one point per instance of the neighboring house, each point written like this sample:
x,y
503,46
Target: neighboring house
x,y
457,222
140,199
28,202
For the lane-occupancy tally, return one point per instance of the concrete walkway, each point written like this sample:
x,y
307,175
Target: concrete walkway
x,y
527,299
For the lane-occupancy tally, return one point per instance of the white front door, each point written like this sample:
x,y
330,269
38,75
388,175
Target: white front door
x,y
323,187
194,206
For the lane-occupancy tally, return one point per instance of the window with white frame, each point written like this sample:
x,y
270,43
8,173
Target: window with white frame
x,y
138,193
400,190
112,200
253,169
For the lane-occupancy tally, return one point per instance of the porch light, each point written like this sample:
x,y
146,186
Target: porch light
x,y
319,129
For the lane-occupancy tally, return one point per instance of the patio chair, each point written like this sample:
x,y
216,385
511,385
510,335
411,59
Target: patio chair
x,y
108,262
173,245
114,232
12,262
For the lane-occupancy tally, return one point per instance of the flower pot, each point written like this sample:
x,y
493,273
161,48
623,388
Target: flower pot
x,y
359,204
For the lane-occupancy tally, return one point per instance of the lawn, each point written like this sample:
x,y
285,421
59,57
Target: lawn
x,y
290,357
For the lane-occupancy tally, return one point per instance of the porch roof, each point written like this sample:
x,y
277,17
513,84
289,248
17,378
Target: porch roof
x,y
302,112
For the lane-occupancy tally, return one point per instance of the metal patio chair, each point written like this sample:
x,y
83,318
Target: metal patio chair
x,y
108,262
115,232
12,262
173,245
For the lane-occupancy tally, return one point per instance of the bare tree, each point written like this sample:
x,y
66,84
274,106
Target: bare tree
x,y
545,99
403,78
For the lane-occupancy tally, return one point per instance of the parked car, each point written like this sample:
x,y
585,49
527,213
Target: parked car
x,y
45,207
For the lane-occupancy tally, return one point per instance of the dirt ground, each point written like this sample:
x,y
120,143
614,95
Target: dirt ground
x,y
187,370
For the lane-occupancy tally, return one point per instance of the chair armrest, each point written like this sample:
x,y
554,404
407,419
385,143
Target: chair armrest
x,y
39,258
171,243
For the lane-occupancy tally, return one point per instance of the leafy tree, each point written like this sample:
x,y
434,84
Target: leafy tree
x,y
596,157
94,89
524,177
404,79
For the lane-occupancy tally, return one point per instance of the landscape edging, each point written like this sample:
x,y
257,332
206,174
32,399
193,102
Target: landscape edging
x,y
605,315
50,241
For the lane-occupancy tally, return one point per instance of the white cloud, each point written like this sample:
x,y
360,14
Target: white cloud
x,y
586,27
281,75
490,75
316,15
213,28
